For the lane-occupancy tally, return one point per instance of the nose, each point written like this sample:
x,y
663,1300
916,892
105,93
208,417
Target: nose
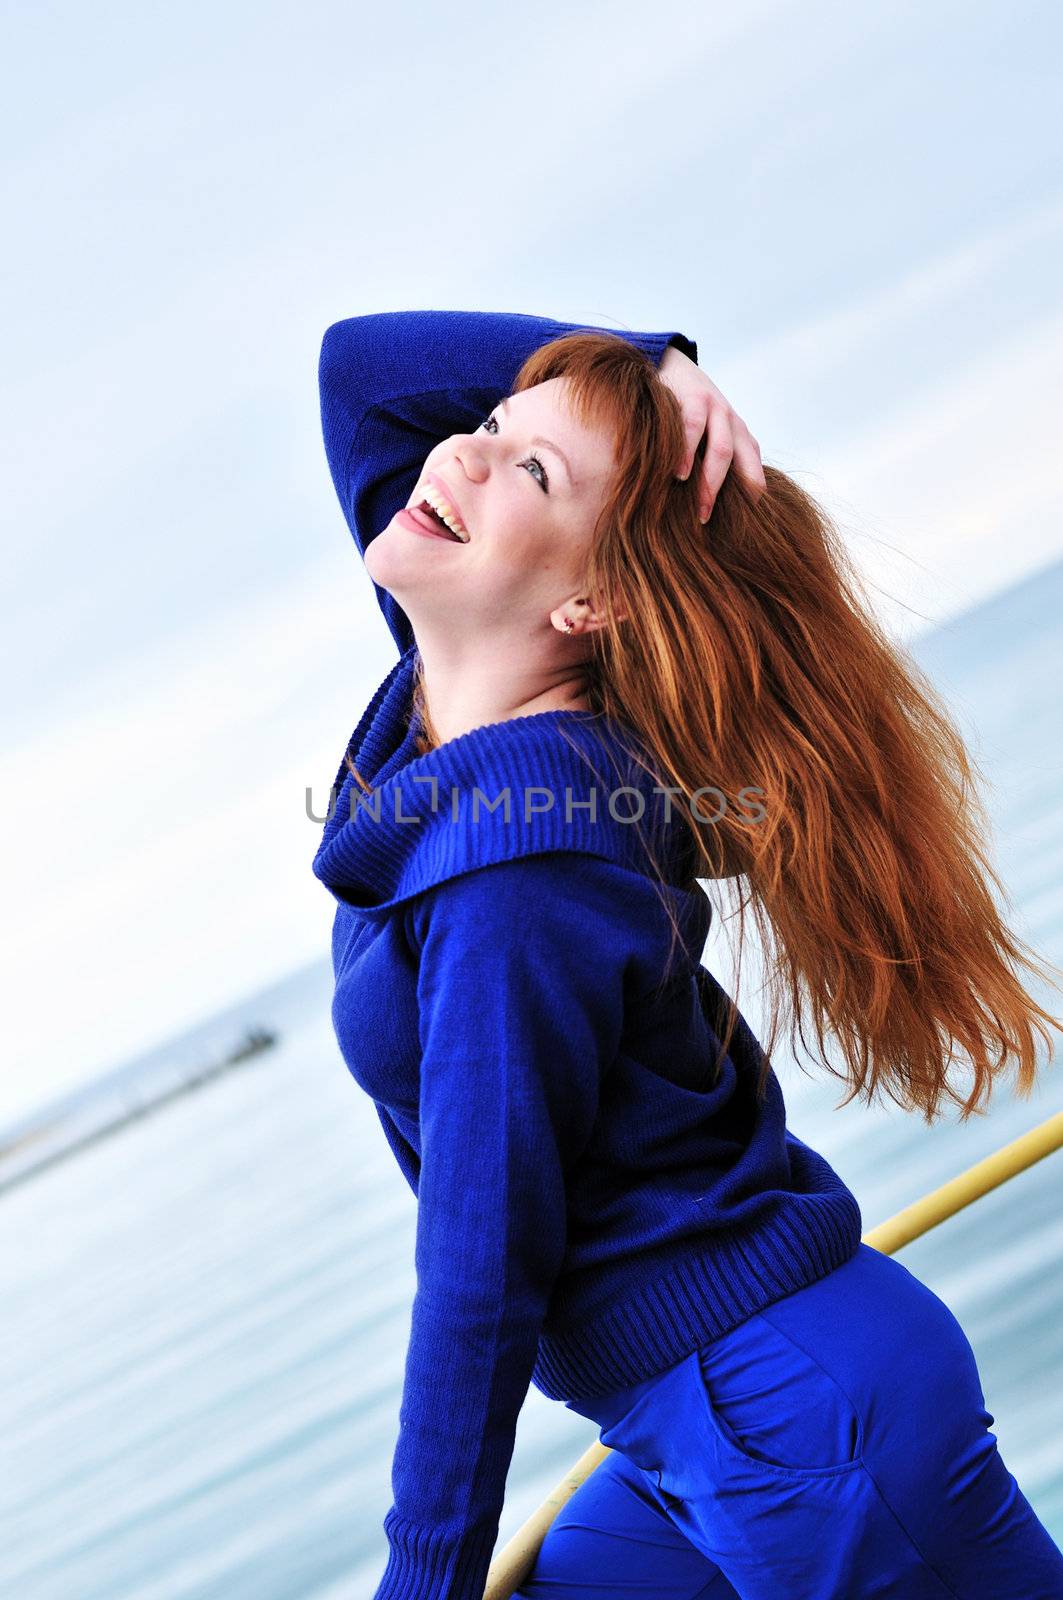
x,y
472,458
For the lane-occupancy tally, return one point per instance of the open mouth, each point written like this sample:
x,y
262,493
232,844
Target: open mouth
x,y
430,518
437,504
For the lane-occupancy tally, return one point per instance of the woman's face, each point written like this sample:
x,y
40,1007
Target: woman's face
x,y
527,486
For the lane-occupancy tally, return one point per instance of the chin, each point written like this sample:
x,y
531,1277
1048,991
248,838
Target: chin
x,y
384,558
391,561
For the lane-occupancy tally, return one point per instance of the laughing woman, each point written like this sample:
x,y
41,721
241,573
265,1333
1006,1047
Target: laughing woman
x,y
601,698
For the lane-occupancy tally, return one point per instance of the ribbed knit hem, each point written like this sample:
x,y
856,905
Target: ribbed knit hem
x,y
422,1565
705,1294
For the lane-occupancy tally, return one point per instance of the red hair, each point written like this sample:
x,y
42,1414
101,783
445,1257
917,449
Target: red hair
x,y
746,658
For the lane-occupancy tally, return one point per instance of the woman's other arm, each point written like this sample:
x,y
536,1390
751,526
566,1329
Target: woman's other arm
x,y
516,1036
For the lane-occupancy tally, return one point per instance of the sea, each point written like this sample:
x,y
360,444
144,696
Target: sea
x,y
206,1265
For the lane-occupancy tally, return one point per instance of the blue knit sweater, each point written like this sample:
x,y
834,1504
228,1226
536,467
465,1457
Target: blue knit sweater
x,y
594,1199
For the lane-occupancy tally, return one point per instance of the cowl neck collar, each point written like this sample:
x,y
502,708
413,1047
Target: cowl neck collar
x,y
553,780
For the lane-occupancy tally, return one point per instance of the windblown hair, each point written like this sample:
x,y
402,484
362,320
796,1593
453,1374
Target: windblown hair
x,y
742,655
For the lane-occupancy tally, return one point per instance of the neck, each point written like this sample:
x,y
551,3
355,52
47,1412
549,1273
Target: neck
x,y
462,691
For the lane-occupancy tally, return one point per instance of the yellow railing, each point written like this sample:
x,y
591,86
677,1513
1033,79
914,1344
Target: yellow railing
x,y
515,1560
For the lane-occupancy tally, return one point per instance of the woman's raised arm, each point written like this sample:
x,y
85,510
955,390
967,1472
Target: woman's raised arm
x,y
395,383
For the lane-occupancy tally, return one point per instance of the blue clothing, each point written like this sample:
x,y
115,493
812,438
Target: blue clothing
x,y
834,1446
595,1200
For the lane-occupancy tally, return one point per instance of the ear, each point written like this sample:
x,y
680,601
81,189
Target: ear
x,y
582,615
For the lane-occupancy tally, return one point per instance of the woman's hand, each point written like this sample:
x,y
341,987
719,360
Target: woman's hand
x,y
704,409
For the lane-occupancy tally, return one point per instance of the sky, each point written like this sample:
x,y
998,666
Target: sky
x,y
857,212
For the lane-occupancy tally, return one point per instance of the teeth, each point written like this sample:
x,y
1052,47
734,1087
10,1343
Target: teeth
x,y
447,512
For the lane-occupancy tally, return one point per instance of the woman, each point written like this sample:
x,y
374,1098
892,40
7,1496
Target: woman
x,y
602,698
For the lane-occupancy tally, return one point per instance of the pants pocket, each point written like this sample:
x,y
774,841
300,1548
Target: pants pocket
x,y
774,1406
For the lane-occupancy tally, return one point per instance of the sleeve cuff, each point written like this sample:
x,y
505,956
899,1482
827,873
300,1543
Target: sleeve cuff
x,y
687,346
654,344
425,1565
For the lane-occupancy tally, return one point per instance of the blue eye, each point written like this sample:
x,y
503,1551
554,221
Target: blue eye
x,y
533,460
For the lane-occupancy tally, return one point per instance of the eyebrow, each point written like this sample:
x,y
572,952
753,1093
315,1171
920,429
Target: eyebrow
x,y
548,444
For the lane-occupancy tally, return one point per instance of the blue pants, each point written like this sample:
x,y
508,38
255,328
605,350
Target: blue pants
x,y
835,1446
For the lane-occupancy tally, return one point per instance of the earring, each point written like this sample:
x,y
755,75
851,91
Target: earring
x,y
568,624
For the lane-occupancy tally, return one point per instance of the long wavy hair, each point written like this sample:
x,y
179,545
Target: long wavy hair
x,y
743,656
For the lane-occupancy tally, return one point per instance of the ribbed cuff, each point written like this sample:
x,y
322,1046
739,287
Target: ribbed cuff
x,y
687,346
654,344
426,1565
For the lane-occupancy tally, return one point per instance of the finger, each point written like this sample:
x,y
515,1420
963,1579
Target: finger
x,y
693,428
718,457
747,458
